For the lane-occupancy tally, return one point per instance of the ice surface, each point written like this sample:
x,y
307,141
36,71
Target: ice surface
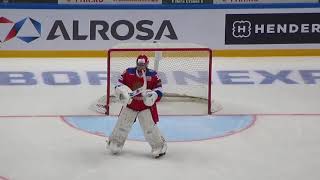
x,y
284,142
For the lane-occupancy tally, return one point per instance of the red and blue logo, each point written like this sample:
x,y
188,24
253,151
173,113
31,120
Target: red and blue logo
x,y
14,31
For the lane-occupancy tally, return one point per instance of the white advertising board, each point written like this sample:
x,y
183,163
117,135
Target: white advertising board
x,y
97,29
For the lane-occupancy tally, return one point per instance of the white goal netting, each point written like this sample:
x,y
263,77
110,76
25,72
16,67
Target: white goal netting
x,y
185,71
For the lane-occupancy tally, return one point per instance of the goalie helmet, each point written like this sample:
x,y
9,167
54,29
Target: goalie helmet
x,y
142,60
142,64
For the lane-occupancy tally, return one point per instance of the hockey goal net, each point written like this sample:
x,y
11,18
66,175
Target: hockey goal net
x,y
185,71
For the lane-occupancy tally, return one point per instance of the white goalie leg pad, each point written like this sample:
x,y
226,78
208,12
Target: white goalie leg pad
x,y
121,130
152,133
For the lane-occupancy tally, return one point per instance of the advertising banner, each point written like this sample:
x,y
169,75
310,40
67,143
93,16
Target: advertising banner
x,y
110,1
279,28
100,29
187,1
262,1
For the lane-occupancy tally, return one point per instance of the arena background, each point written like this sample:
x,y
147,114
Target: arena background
x,y
265,76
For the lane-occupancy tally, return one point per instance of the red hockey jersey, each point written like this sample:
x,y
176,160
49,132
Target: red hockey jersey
x,y
130,78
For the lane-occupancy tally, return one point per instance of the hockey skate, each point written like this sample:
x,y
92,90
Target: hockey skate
x,y
158,152
115,147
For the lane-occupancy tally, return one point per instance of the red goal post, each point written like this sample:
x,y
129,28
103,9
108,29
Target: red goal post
x,y
186,71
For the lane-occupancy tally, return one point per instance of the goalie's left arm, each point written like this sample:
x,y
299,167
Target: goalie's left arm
x,y
158,86
153,95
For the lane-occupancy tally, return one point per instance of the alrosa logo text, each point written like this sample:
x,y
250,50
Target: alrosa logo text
x,y
11,29
119,30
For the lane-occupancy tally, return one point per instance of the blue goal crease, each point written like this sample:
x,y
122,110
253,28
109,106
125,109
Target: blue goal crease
x,y
174,128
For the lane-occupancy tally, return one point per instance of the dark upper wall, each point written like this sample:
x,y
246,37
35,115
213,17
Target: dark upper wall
x,y
29,1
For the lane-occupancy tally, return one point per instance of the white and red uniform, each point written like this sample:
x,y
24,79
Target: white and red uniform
x,y
141,106
131,79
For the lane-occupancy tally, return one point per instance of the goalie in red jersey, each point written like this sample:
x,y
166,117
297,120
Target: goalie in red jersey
x,y
138,89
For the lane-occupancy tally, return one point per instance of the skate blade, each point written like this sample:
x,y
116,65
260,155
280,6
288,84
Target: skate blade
x,y
160,155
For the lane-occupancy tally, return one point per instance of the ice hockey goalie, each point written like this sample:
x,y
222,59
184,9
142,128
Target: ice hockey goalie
x,y
138,89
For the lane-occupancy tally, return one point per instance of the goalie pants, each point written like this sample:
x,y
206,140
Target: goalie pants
x,y
125,121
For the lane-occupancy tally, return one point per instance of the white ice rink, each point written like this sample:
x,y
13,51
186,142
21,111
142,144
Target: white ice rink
x,y
280,141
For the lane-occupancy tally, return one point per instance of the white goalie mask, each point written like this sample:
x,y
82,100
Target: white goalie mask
x,y
142,64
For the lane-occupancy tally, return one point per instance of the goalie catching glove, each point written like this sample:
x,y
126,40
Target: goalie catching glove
x,y
149,97
122,92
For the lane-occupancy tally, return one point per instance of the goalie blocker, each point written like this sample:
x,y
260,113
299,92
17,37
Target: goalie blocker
x,y
138,89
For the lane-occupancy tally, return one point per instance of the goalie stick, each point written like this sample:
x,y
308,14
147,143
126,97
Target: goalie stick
x,y
100,105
